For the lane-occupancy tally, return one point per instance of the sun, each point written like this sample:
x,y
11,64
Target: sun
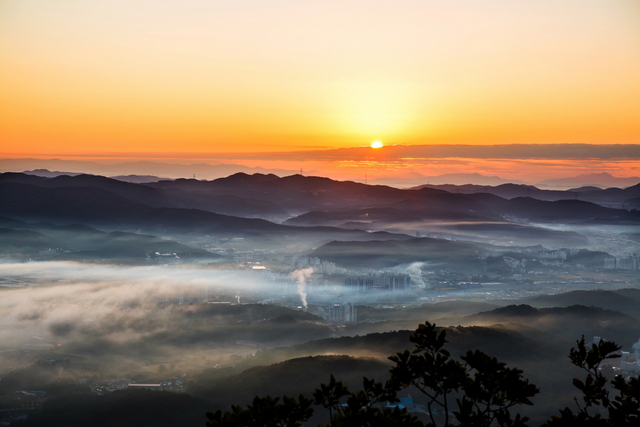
x,y
376,144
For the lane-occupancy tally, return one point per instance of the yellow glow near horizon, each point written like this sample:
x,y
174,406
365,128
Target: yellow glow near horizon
x,y
254,75
377,144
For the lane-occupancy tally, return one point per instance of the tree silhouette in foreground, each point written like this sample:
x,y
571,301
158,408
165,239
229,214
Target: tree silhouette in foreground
x,y
478,391
598,408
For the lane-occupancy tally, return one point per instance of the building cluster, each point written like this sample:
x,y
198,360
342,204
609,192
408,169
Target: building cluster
x,y
344,312
623,263
379,282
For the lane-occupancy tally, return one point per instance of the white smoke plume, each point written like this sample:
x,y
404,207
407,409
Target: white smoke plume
x,y
414,270
302,276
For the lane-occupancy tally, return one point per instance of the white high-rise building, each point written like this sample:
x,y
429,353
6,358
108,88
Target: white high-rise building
x,y
344,312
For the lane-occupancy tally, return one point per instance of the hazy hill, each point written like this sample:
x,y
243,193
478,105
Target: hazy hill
x,y
413,179
608,196
81,242
48,174
467,178
138,179
602,180
464,223
15,241
626,301
563,210
630,293
429,311
383,254
585,189
506,190
513,234
227,204
414,206
437,253
443,206
567,322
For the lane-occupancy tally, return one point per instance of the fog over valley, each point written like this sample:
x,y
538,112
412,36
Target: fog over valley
x,y
204,294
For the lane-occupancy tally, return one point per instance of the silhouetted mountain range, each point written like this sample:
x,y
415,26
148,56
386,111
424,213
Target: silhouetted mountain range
x,y
171,198
137,179
107,210
269,196
295,193
331,210
172,170
414,178
46,173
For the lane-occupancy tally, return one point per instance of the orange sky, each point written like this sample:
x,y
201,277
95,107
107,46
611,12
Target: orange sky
x,y
82,77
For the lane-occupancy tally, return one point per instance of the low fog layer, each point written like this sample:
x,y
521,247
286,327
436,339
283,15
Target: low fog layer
x,y
66,301
126,309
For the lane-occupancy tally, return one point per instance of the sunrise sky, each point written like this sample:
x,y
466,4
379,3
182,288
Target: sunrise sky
x,y
193,80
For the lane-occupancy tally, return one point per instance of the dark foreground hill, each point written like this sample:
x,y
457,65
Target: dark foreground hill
x,y
543,361
542,358
125,408
508,343
291,377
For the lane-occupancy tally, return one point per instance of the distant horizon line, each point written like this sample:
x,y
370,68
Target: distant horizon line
x,y
435,150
